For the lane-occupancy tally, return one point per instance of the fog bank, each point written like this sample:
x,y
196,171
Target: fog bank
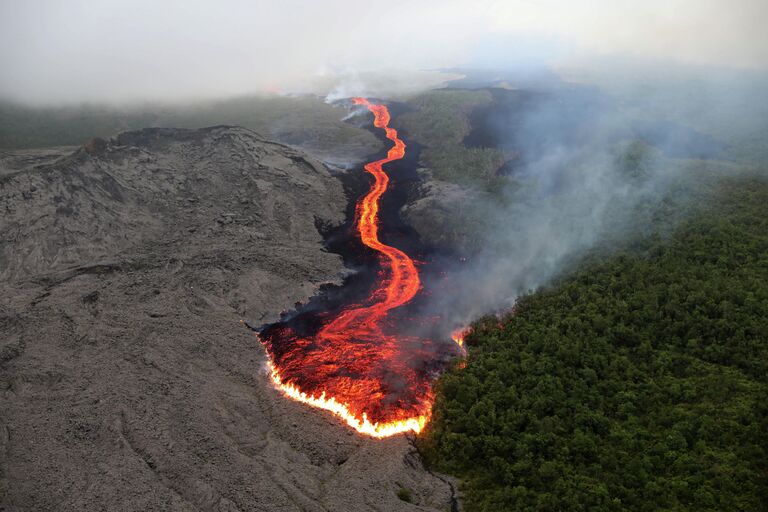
x,y
116,51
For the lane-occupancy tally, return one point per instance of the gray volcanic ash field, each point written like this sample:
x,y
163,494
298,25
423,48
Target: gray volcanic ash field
x,y
127,382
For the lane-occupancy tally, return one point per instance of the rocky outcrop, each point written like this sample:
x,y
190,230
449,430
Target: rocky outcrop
x,y
447,215
126,379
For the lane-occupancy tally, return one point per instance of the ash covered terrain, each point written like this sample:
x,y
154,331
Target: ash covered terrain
x,y
127,381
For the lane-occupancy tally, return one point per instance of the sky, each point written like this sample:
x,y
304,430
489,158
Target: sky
x,y
109,50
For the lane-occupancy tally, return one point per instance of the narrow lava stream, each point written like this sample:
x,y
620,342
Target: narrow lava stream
x,y
357,365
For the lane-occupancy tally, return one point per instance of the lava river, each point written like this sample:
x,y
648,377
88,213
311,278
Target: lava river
x,y
358,364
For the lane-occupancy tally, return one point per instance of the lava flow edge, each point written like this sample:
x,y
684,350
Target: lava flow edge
x,y
397,284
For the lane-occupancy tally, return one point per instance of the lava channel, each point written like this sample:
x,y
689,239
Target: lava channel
x,y
358,364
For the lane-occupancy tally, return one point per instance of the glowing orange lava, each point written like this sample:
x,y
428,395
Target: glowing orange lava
x,y
357,365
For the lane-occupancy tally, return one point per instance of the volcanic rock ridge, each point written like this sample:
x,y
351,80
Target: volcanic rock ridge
x,y
126,381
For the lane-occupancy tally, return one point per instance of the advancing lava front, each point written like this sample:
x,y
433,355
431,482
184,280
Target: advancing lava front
x,y
357,365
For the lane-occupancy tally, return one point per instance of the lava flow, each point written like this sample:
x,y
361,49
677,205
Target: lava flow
x,y
356,365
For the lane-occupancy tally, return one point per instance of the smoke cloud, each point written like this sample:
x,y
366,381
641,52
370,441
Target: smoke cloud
x,y
592,166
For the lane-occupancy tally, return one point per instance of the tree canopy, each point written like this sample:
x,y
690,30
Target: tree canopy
x,y
637,382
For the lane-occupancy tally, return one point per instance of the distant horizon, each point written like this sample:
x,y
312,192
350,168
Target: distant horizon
x,y
380,85
67,52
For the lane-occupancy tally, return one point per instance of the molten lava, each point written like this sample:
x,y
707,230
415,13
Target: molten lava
x,y
357,365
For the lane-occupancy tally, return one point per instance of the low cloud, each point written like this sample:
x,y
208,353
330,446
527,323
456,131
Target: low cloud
x,y
73,51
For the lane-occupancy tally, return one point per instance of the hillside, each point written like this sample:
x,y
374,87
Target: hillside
x,y
128,381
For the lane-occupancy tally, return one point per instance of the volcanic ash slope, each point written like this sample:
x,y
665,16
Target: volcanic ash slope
x,y
126,380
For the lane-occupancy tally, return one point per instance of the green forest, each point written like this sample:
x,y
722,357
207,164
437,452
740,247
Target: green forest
x,y
639,381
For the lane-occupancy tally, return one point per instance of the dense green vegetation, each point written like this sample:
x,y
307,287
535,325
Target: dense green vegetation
x,y
637,382
440,122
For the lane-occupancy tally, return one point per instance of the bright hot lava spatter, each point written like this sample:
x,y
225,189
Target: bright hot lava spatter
x,y
357,365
